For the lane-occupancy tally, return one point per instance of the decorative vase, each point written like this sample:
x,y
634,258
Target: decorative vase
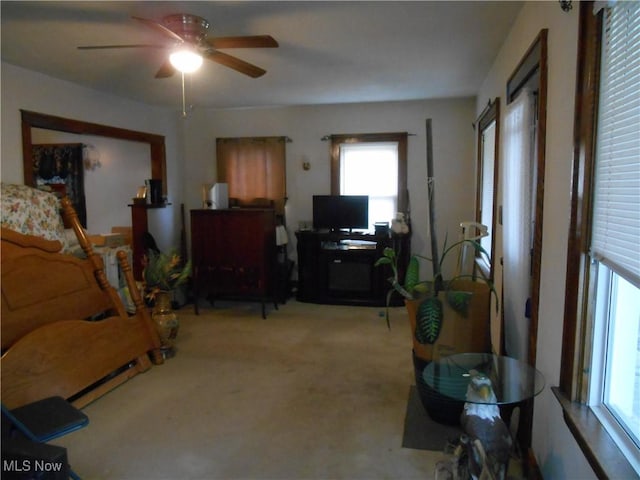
x,y
166,320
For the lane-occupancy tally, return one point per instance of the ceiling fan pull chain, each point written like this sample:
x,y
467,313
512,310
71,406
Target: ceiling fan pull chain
x,y
184,101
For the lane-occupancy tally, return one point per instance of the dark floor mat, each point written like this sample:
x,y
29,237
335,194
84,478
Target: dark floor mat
x,y
420,431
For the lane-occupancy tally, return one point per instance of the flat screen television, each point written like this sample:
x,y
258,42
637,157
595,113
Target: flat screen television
x,y
336,212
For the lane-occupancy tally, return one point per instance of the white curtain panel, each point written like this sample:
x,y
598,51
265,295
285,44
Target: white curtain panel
x,y
517,228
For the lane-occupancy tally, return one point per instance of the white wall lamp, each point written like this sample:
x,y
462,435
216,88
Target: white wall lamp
x,y
90,157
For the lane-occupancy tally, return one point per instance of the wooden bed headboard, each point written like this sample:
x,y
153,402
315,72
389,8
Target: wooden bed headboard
x,y
64,329
40,286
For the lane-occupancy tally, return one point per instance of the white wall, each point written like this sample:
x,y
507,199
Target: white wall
x,y
306,125
555,448
106,203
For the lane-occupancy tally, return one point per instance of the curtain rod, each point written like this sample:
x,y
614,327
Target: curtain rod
x,y
253,139
328,137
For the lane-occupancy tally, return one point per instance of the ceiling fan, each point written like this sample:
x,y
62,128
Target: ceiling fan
x,y
189,32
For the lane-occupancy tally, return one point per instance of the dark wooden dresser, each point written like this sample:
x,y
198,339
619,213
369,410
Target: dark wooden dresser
x,y
234,254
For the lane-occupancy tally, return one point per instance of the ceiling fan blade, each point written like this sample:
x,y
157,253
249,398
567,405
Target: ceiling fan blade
x,y
255,41
166,70
160,28
104,47
235,63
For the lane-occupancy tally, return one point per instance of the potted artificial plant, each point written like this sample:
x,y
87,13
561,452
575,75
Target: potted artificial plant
x,y
435,305
446,316
162,274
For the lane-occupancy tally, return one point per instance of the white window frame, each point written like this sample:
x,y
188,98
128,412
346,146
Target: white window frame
x,y
601,294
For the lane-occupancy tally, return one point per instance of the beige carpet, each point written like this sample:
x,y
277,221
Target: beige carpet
x,y
312,392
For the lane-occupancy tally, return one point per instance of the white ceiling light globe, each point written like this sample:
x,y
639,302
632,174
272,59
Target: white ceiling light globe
x,y
186,61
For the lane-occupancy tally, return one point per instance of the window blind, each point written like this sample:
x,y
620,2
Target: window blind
x,y
616,209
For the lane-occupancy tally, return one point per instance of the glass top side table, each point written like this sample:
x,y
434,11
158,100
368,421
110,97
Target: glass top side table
x,y
513,381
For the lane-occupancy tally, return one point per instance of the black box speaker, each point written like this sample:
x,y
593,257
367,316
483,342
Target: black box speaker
x,y
381,228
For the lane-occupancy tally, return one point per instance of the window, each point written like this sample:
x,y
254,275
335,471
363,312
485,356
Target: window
x,y
601,343
518,220
373,165
486,191
528,80
371,169
615,241
614,391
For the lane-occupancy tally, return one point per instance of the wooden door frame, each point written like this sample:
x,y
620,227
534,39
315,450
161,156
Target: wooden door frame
x,y
534,63
50,122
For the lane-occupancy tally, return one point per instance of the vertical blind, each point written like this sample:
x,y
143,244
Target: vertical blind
x,y
616,209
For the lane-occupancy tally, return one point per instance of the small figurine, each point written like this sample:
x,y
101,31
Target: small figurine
x,y
398,224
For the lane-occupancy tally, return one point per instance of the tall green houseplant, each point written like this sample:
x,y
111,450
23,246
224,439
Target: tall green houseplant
x,y
430,312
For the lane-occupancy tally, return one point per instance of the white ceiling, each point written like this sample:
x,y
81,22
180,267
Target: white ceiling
x,y
330,52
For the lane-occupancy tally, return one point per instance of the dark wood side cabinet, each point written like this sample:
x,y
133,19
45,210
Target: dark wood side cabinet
x,y
233,253
339,268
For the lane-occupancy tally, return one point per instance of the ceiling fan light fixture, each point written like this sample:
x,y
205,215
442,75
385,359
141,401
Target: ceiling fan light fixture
x,y
186,60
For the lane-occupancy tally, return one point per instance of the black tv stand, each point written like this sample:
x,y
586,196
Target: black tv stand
x,y
337,267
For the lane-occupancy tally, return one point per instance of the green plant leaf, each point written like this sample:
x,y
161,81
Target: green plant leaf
x,y
424,289
429,320
389,253
459,301
383,261
412,276
164,271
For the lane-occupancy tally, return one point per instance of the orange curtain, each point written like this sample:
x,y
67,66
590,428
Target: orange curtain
x,y
254,169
